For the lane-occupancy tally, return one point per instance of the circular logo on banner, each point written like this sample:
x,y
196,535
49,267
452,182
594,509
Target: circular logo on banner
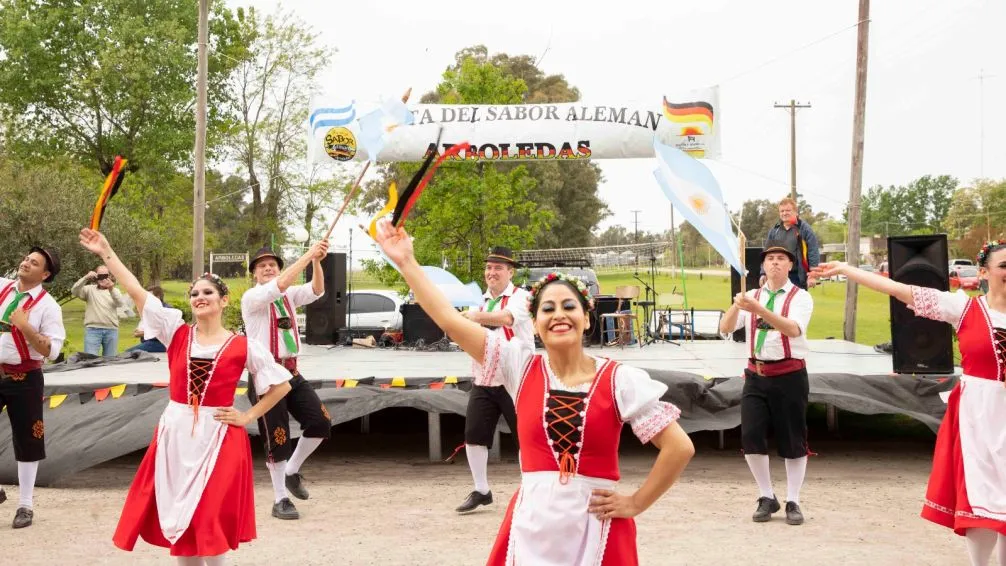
x,y
340,144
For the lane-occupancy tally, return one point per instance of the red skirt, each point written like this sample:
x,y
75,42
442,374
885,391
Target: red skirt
x,y
619,550
224,518
947,495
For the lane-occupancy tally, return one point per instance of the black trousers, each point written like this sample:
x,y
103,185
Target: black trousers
x,y
779,404
485,405
21,394
305,406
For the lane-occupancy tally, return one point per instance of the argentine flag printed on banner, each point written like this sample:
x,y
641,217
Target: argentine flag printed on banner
x,y
329,117
694,192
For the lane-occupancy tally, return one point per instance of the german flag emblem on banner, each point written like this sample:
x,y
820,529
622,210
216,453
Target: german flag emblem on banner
x,y
689,112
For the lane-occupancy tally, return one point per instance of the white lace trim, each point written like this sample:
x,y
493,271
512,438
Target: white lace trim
x,y
487,373
656,419
927,303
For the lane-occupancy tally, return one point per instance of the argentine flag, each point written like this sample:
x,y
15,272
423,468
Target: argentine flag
x,y
694,192
331,116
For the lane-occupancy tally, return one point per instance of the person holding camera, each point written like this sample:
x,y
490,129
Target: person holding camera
x,y
101,318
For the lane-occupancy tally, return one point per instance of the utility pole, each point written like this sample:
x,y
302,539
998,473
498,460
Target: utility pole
x,y
856,181
635,239
199,186
792,107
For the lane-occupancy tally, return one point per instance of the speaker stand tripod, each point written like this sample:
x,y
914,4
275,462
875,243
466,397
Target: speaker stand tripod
x,y
650,301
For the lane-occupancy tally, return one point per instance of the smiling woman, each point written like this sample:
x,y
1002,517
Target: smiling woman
x,y
199,463
567,510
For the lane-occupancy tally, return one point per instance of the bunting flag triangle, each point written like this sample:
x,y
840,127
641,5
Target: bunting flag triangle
x,y
102,394
398,382
241,391
350,383
118,390
56,400
108,190
436,385
451,379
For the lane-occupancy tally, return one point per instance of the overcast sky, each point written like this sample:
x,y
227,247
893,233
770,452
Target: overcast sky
x,y
923,104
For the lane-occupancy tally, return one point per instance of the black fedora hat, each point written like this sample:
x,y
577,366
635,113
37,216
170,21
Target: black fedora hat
x,y
262,253
502,254
51,261
777,246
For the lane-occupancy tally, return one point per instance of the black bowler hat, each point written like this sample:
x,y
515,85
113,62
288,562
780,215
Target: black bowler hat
x,y
51,261
264,252
501,254
777,246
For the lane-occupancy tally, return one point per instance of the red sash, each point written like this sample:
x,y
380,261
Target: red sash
x,y
785,313
19,340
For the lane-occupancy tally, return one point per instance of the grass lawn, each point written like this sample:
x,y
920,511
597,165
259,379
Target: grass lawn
x,y
712,292
704,292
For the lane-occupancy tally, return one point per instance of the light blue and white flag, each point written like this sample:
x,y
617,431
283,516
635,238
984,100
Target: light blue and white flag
x,y
694,192
331,117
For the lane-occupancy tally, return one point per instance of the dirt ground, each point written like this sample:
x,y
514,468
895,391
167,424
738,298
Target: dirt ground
x,y
376,500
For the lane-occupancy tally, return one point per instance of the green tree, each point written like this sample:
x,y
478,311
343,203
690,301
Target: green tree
x,y
921,206
47,204
569,189
270,91
100,78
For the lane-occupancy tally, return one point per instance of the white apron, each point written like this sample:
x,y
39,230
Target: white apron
x,y
549,517
183,464
981,416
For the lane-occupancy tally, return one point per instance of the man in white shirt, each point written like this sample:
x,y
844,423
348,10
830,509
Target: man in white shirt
x,y
269,314
506,311
776,387
31,329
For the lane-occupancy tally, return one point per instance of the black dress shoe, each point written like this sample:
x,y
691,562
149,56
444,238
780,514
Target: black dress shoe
x,y
765,509
23,517
285,510
474,500
295,485
793,514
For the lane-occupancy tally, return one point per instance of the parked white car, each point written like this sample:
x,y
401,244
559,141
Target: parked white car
x,y
376,308
368,307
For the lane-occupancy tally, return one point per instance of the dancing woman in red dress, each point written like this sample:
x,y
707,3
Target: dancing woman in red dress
x,y
967,486
193,492
570,411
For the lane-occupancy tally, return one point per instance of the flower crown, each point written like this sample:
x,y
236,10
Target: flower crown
x,y
576,282
983,254
215,279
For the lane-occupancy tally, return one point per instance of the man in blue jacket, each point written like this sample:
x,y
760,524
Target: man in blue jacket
x,y
796,235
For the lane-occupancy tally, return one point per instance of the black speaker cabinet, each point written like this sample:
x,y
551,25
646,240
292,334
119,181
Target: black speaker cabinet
x,y
920,345
328,314
416,325
752,262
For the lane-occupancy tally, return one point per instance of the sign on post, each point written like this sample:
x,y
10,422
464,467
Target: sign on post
x,y
228,258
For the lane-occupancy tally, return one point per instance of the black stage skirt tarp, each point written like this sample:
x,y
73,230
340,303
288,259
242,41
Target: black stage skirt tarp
x,y
82,432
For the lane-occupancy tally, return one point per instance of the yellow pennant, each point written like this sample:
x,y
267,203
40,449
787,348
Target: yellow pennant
x,y
388,209
350,383
118,390
241,391
56,400
451,379
398,382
